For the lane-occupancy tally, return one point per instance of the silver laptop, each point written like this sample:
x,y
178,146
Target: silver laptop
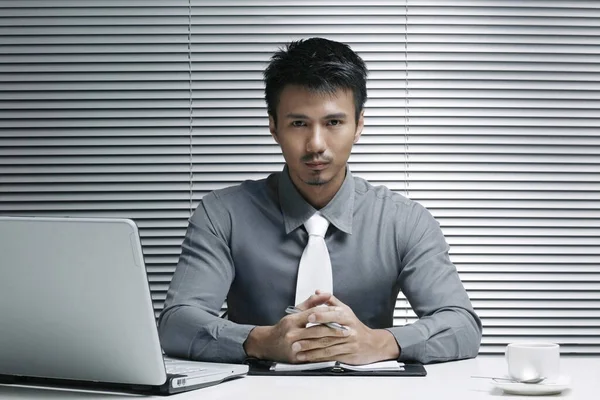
x,y
75,308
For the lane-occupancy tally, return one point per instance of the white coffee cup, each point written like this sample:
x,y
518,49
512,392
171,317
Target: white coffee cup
x,y
533,360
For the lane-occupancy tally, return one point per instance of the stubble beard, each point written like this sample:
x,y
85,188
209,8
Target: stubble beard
x,y
317,180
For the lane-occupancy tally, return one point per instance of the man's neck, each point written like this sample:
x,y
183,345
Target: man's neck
x,y
319,196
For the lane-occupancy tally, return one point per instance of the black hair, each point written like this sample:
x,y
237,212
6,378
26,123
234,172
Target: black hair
x,y
319,65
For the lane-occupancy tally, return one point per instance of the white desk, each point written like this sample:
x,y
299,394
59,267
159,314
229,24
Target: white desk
x,y
447,381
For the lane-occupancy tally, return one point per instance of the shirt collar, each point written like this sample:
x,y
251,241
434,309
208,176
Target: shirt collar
x,y
339,211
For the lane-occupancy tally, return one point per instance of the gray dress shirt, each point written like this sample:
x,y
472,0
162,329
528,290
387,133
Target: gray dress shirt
x,y
244,244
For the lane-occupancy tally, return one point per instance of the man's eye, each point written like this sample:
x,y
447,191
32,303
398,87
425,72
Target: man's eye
x,y
298,123
335,122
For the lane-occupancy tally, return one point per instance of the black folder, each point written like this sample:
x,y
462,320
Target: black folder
x,y
263,368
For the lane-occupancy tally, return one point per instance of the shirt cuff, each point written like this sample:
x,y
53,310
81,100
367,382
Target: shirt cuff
x,y
231,342
411,342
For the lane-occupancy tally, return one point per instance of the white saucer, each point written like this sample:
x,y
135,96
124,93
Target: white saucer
x,y
533,389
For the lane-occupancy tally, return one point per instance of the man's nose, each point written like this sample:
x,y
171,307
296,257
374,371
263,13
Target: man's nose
x,y
316,141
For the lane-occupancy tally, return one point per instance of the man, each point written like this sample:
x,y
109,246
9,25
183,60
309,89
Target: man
x,y
245,244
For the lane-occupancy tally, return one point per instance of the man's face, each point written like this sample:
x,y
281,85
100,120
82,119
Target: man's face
x,y
316,132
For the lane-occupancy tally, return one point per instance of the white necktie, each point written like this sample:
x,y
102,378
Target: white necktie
x,y
314,271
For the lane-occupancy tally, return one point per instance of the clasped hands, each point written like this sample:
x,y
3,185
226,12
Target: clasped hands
x,y
291,341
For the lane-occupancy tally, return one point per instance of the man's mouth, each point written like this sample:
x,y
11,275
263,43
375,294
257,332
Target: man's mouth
x,y
317,165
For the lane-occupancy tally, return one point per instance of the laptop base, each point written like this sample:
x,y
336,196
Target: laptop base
x,y
67,384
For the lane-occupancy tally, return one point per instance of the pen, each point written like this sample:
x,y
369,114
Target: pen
x,y
333,325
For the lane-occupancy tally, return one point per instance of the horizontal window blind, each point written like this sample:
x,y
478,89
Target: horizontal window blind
x,y
95,117
503,147
487,113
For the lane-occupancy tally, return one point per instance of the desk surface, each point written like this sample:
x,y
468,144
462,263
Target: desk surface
x,y
444,381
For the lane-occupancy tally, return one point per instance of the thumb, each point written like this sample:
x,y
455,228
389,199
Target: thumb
x,y
315,300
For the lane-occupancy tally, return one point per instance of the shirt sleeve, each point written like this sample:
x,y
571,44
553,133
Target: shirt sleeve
x,y
190,326
448,327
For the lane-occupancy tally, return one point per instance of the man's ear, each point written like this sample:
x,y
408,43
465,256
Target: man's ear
x,y
359,126
273,128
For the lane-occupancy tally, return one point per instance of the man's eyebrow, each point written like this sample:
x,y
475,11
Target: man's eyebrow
x,y
340,115
296,116
336,116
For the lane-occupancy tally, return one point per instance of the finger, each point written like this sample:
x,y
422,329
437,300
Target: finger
x,y
302,346
319,331
297,322
330,314
314,300
300,320
322,308
330,353
334,301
